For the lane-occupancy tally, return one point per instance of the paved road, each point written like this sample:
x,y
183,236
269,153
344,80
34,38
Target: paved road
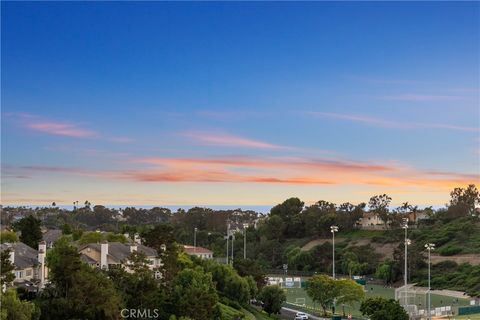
x,y
288,313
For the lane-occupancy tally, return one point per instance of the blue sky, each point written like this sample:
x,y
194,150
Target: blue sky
x,y
238,103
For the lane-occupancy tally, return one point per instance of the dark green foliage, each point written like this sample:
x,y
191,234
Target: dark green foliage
x,y
383,309
15,309
76,290
161,238
8,237
228,283
248,267
449,275
6,268
273,298
194,294
67,228
31,233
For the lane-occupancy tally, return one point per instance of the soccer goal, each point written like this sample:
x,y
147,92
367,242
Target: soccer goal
x,y
300,301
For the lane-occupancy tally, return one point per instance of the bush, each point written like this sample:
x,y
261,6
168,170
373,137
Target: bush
x,y
450,250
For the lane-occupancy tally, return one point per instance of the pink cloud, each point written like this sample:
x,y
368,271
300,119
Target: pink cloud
x,y
61,129
260,170
227,140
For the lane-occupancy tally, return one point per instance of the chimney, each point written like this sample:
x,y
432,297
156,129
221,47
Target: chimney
x,y
137,239
133,247
12,255
42,250
103,255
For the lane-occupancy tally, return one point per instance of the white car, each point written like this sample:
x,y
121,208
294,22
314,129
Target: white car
x,y
301,316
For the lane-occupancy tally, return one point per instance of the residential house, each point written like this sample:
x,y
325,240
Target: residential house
x,y
369,219
50,236
29,263
199,252
111,254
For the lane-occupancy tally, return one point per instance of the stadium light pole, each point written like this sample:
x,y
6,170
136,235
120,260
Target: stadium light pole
x,y
228,236
333,229
233,238
406,243
429,247
245,226
195,239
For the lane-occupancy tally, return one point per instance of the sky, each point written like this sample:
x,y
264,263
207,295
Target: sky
x,y
238,103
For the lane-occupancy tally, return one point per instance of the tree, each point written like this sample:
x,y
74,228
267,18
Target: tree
x,y
31,234
273,298
467,198
383,309
91,237
76,291
6,268
161,238
319,217
194,294
351,265
379,204
67,228
386,272
15,309
249,267
8,237
416,258
273,228
322,289
349,292
139,287
228,282
287,211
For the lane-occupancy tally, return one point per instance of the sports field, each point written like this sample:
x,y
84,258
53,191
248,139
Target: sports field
x,y
299,296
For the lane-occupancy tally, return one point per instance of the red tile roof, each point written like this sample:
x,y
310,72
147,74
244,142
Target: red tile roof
x,y
197,250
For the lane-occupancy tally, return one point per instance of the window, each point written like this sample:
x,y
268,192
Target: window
x,y
19,274
28,273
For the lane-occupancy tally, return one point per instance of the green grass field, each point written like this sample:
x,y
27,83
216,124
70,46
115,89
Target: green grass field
x,y
295,295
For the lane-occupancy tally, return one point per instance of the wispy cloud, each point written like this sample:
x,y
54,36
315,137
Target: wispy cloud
x,y
259,170
383,123
293,171
61,129
359,118
422,97
36,123
228,140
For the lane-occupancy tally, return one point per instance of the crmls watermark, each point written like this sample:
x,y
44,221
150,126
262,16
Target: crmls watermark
x,y
140,313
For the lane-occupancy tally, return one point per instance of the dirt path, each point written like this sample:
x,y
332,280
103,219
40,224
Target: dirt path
x,y
473,259
317,242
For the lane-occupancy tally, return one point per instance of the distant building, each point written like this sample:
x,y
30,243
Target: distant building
x,y
111,254
50,236
369,219
414,217
199,252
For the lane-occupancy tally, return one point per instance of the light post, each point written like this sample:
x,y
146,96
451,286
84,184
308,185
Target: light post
x,y
406,243
245,226
333,229
233,238
429,247
195,240
228,236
